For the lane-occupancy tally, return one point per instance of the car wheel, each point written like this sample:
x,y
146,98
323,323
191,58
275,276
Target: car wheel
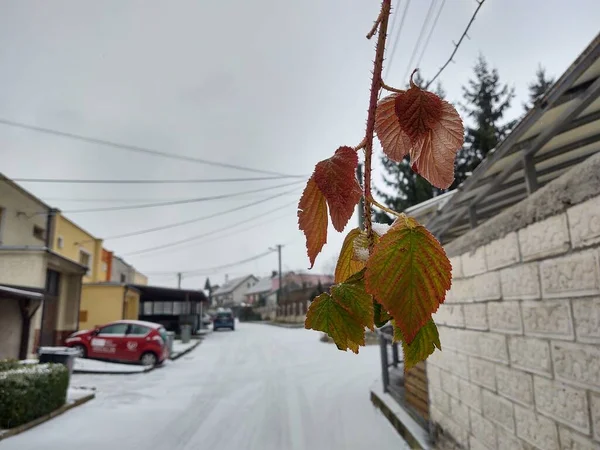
x,y
81,350
149,359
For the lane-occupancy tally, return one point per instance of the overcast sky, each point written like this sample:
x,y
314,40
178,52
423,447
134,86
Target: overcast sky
x,y
269,84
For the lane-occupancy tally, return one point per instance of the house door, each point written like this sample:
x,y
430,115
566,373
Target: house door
x,y
50,309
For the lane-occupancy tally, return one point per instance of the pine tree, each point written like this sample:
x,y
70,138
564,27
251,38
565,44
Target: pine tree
x,y
487,101
407,187
538,87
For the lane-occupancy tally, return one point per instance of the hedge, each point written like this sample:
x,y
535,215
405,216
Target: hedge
x,y
30,391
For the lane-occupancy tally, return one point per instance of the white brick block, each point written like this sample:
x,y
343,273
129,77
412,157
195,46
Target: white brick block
x,y
595,408
475,444
586,314
577,364
545,238
515,385
482,373
447,337
434,377
508,441
492,346
451,315
571,440
505,317
457,364
584,223
440,400
470,394
483,429
521,282
476,316
572,275
459,412
529,354
450,385
548,318
562,403
498,410
535,429
486,287
469,342
460,291
473,263
457,271
458,432
502,252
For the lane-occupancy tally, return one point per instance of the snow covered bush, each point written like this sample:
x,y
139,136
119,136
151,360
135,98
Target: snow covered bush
x,y
29,392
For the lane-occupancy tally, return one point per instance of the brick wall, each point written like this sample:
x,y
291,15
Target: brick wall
x,y
520,330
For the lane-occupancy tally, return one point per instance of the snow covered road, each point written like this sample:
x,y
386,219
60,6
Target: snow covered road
x,y
260,387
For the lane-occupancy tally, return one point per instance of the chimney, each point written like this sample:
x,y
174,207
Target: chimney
x,y
273,274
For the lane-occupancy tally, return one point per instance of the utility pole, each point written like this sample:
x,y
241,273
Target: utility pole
x,y
279,274
179,280
361,203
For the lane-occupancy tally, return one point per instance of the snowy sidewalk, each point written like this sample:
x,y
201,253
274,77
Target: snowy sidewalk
x,y
99,367
180,349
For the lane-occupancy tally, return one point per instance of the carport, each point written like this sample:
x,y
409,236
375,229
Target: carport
x,y
171,307
17,307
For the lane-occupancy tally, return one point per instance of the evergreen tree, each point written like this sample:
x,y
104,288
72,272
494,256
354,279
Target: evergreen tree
x,y
407,187
486,102
538,87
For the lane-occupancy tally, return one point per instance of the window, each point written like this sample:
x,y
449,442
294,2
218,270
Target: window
x,y
39,233
60,242
83,316
177,308
84,259
117,328
123,278
147,308
104,267
168,307
2,217
138,330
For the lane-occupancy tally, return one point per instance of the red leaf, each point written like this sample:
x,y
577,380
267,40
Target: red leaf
x,y
312,219
336,179
427,127
395,142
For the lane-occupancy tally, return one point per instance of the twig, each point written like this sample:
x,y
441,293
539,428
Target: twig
x,y
383,19
384,208
480,4
361,145
390,88
371,33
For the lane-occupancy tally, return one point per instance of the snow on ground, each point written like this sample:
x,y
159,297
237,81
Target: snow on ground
x,y
258,388
179,346
75,393
92,365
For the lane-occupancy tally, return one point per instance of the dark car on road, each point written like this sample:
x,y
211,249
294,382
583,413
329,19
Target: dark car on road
x,y
224,319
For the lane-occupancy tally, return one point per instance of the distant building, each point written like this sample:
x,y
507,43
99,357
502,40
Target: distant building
x,y
232,293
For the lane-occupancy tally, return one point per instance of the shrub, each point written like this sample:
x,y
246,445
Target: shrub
x,y
9,364
29,392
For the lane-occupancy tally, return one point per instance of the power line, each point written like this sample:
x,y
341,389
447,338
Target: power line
x,y
177,202
121,200
420,38
197,219
397,39
134,148
480,4
129,181
435,21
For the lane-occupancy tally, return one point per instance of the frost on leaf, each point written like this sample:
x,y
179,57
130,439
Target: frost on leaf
x,y
361,247
409,274
312,219
343,313
336,179
347,265
423,345
422,125
380,228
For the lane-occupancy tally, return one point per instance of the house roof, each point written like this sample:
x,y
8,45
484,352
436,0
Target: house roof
x,y
264,284
11,292
562,130
161,293
232,284
18,187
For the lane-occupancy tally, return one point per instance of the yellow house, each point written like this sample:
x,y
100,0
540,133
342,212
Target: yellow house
x,y
101,300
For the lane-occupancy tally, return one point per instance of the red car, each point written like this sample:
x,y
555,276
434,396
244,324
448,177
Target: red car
x,y
123,340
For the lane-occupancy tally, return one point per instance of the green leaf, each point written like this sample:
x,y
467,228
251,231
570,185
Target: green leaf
x,y
409,274
423,345
344,313
380,315
346,265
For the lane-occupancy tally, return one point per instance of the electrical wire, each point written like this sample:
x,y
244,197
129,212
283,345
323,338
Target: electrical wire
x,y
397,39
195,220
435,21
135,148
124,200
419,39
178,202
129,181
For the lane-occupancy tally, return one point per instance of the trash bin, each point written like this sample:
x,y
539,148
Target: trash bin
x,y
170,340
58,355
186,333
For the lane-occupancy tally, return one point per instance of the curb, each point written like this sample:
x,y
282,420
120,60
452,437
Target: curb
x,y
186,351
106,372
34,423
285,325
414,435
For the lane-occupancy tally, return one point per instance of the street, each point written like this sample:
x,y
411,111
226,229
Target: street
x,y
260,387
